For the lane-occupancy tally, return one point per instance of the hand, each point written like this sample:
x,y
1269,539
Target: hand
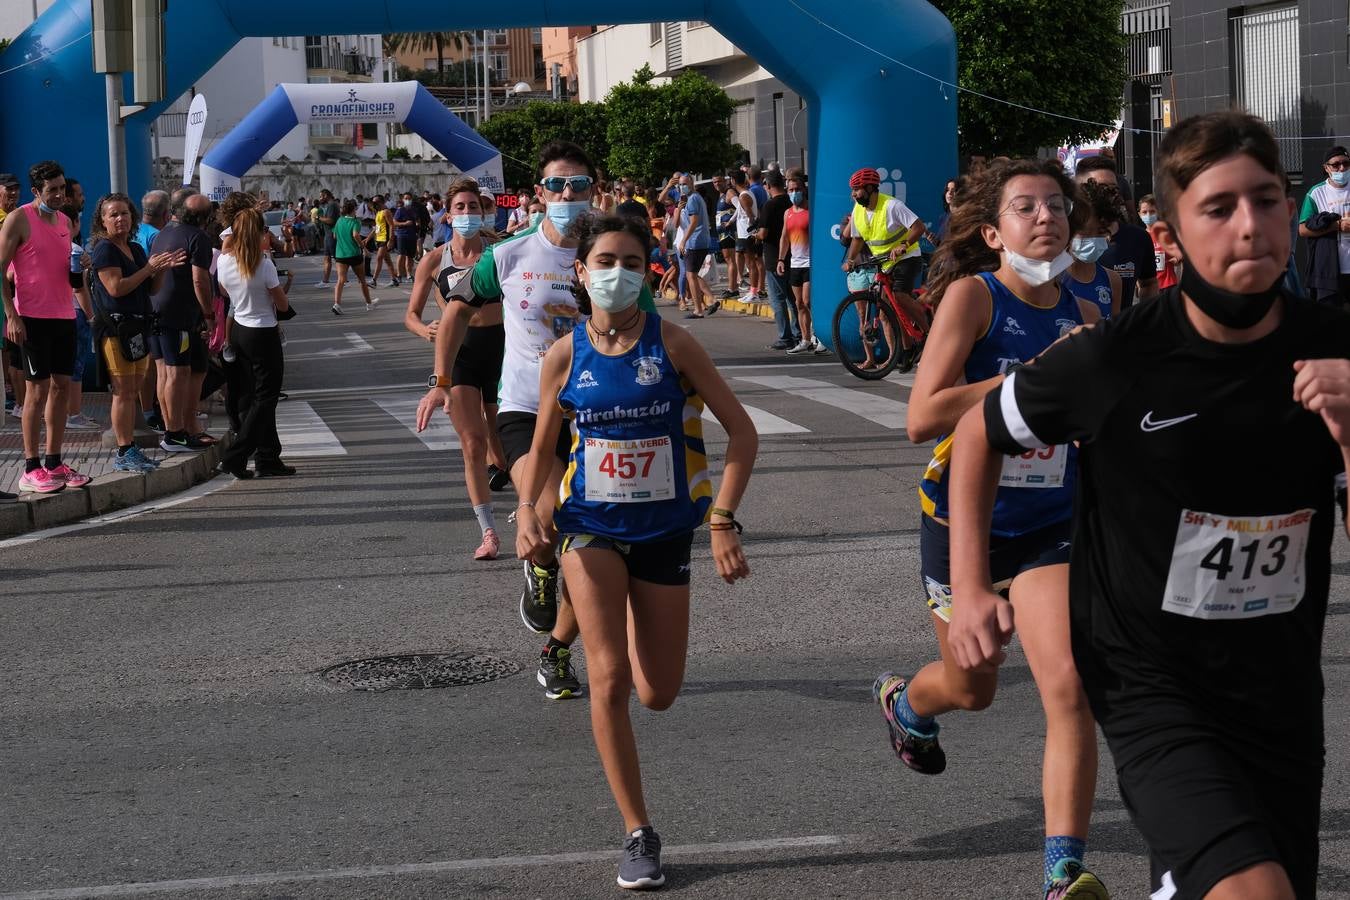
x,y
1343,224
981,626
14,330
782,269
848,264
531,538
432,329
86,260
437,396
899,251
1322,386
728,555
680,249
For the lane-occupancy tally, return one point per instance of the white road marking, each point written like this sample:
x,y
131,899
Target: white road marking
x,y
886,413
906,378
356,344
121,515
359,344
765,422
440,867
440,434
356,392
304,434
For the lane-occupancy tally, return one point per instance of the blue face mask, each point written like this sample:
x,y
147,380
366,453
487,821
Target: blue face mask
x,y
614,290
466,226
684,190
1088,249
1340,178
535,219
1148,219
796,197
562,213
45,209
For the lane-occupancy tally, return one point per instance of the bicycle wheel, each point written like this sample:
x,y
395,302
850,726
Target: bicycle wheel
x,y
865,329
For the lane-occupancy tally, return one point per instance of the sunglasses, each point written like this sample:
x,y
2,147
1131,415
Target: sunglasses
x,y
554,184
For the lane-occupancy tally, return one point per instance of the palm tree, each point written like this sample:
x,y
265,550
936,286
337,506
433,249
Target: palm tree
x,y
425,42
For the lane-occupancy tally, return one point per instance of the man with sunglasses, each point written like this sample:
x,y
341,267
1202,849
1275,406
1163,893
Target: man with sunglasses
x,y
1325,220
531,274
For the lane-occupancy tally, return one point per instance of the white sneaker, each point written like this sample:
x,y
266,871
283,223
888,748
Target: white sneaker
x,y
16,412
803,347
818,347
80,421
374,302
322,284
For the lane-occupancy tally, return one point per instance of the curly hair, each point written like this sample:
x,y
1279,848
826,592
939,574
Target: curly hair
x,y
1104,201
233,204
979,202
96,231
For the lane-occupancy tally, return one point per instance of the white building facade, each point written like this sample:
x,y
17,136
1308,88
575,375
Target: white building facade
x,y
770,118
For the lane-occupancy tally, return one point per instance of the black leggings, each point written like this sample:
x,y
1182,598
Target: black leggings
x,y
256,385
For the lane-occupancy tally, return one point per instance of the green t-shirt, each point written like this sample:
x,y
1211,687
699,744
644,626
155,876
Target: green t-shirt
x,y
347,231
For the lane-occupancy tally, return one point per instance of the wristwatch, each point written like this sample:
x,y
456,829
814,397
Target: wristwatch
x,y
438,381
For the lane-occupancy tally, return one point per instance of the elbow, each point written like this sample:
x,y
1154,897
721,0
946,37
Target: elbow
x,y
919,426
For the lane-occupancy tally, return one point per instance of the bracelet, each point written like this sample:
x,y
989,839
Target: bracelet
x,y
529,503
726,526
724,513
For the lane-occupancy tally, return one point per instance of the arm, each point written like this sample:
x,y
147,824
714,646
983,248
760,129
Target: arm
x,y
940,395
201,286
784,249
1116,287
12,233
855,249
1305,232
693,362
1322,386
531,535
693,226
423,280
119,285
279,298
86,306
449,338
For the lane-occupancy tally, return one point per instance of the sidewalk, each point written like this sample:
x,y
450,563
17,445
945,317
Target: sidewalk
x,y
83,450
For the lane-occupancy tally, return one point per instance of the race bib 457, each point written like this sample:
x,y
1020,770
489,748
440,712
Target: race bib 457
x,y
1237,567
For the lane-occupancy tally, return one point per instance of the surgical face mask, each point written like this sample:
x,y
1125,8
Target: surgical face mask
x,y
1088,249
1036,272
562,213
466,226
1226,307
535,219
614,290
796,197
684,190
407,203
45,209
1148,218
1340,178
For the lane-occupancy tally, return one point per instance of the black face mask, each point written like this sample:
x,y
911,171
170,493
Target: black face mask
x,y
1225,307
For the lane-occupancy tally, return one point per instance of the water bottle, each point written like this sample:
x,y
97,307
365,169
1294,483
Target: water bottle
x,y
76,254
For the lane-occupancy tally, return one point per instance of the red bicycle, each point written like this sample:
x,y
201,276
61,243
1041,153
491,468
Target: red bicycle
x,y
890,338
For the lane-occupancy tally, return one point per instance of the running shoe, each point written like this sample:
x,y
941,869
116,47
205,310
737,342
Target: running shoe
x,y
374,302
80,421
716,305
6,495
557,676
69,476
337,310
16,410
780,345
539,600
276,469
181,443
498,479
640,868
729,294
804,347
41,481
371,283
920,752
817,347
240,473
133,461
155,422
1071,880
490,547
321,284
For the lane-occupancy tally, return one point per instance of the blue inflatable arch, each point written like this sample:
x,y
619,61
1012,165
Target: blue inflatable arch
x,y
295,104
865,109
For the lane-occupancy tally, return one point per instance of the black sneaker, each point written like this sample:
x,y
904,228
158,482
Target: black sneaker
x,y
273,470
555,673
640,868
921,752
155,422
6,495
241,473
181,442
498,479
539,600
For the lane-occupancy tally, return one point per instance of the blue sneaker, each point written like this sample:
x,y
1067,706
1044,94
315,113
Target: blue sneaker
x,y
134,461
921,752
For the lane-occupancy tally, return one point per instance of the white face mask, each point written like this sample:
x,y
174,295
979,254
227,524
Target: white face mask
x,y
614,290
1088,249
1036,272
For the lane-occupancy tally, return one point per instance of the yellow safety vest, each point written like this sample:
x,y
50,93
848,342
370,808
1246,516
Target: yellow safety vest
x,y
879,241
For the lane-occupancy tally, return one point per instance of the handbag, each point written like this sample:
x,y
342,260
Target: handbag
x,y
132,333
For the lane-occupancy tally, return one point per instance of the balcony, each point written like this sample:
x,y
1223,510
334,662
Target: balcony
x,y
333,59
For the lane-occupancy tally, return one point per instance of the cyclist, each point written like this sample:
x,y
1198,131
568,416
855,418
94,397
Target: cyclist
x,y
1002,302
529,274
887,228
478,365
1198,635
637,487
1087,279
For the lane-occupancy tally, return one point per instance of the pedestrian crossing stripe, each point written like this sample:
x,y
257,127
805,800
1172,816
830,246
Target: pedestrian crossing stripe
x,y
304,434
885,412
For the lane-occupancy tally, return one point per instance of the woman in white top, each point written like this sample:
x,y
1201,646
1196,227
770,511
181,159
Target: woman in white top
x,y
250,279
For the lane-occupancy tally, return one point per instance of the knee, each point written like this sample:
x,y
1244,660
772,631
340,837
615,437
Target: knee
x,y
473,444
658,698
609,686
1062,692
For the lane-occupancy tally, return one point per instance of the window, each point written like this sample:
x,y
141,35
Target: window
x,y
743,126
497,60
654,32
1265,71
779,129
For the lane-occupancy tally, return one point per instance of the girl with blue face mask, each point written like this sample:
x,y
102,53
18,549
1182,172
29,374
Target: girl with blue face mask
x,y
636,490
1087,279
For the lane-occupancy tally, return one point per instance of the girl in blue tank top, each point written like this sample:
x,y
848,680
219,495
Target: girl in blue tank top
x,y
632,389
1088,279
1002,300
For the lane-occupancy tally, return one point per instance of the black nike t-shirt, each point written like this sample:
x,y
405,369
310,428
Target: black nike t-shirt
x,y
1130,254
1202,528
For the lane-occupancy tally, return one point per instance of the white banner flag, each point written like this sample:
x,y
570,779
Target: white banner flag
x,y
192,140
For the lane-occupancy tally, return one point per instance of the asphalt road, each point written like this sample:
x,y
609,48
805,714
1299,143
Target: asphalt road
x,y
164,729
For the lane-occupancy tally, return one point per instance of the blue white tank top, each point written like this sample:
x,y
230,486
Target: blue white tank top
x,y
1097,291
1035,490
637,470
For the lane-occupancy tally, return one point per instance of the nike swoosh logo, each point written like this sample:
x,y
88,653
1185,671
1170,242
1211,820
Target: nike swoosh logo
x,y
1148,423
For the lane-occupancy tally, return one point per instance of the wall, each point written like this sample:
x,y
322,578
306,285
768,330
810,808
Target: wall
x,y
16,15
289,180
610,56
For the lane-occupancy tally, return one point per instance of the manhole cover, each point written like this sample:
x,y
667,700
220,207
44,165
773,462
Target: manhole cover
x,y
419,670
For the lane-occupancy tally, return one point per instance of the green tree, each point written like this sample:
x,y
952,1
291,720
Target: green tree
x,y
520,133
426,42
656,129
1063,56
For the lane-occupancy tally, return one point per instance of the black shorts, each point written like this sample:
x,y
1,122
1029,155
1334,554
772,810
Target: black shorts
x,y
1209,808
659,562
727,243
379,245
516,430
1008,558
179,347
905,275
479,363
747,245
799,276
48,348
693,260
406,245
352,261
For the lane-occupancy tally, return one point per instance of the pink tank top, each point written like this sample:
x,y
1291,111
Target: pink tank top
x,y
41,267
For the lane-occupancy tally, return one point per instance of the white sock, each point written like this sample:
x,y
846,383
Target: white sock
x,y
485,518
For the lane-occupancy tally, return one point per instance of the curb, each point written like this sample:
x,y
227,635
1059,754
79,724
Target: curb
x,y
761,309
118,490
